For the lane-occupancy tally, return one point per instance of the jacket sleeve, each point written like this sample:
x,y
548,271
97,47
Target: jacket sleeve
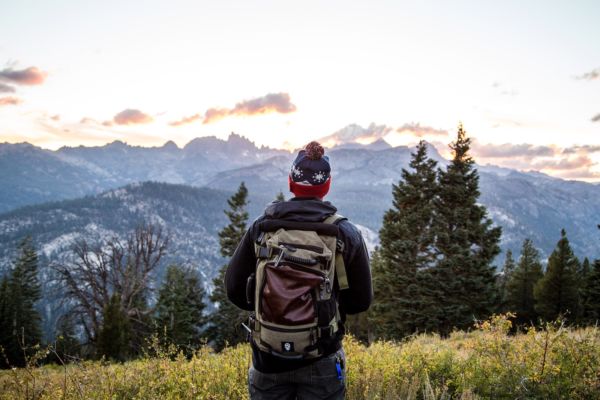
x,y
241,265
357,298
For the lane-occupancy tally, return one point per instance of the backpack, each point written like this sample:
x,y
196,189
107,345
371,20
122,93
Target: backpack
x,y
295,308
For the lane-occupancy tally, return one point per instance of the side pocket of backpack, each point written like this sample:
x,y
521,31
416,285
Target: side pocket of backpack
x,y
250,288
326,311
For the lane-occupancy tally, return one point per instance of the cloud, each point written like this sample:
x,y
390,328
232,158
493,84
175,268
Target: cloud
x,y
417,130
585,149
131,116
573,162
215,114
87,120
355,134
271,103
590,76
6,88
596,118
28,76
186,120
10,101
563,164
508,150
55,135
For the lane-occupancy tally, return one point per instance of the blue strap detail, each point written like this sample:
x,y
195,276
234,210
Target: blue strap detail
x,y
338,367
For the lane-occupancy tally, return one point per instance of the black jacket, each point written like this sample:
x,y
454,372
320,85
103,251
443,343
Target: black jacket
x,y
355,299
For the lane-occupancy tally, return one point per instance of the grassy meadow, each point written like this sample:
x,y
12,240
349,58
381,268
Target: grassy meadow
x,y
486,363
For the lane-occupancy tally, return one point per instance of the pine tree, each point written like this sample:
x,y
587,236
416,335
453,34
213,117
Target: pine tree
x,y
519,288
406,248
591,300
20,291
115,335
179,308
557,292
5,316
225,321
583,274
280,196
507,271
462,286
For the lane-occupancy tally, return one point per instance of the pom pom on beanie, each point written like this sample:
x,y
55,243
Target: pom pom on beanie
x,y
314,150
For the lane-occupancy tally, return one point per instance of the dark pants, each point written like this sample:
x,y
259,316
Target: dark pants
x,y
318,380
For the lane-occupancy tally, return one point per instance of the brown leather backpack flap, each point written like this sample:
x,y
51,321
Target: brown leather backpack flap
x,y
288,295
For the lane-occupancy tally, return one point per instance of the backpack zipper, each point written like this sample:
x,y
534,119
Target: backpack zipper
x,y
316,249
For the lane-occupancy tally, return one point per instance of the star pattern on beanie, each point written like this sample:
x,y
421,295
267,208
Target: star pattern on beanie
x,y
319,176
296,172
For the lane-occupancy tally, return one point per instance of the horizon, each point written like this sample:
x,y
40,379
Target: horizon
x,y
523,78
445,155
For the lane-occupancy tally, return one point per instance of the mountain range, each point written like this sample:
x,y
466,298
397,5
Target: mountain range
x,y
95,193
525,204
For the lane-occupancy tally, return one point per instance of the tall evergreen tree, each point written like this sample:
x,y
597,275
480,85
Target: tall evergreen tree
x,y
115,335
507,271
179,307
6,342
20,291
406,248
583,274
519,288
557,292
462,286
225,321
591,299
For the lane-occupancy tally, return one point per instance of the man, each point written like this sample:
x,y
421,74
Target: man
x,y
275,377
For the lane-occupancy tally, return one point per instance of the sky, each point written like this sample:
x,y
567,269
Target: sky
x,y
522,76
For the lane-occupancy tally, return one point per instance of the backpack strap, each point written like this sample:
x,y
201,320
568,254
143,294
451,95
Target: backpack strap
x,y
340,267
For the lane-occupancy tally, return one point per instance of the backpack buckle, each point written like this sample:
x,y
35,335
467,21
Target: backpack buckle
x,y
263,252
326,332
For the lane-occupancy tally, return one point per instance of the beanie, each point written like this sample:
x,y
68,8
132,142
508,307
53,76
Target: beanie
x,y
310,175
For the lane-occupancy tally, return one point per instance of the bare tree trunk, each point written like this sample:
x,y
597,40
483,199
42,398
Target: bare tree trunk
x,y
124,267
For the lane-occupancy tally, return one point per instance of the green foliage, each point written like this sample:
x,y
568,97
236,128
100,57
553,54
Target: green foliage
x,y
487,363
115,335
557,293
406,248
224,322
462,286
19,292
519,288
507,271
433,271
230,236
280,196
591,296
179,308
66,346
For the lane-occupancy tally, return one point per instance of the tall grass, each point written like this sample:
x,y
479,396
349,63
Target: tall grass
x,y
487,363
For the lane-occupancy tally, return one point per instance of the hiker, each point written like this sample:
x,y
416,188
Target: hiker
x,y
301,268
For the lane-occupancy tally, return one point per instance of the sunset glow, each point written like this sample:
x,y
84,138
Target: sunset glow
x,y
524,78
